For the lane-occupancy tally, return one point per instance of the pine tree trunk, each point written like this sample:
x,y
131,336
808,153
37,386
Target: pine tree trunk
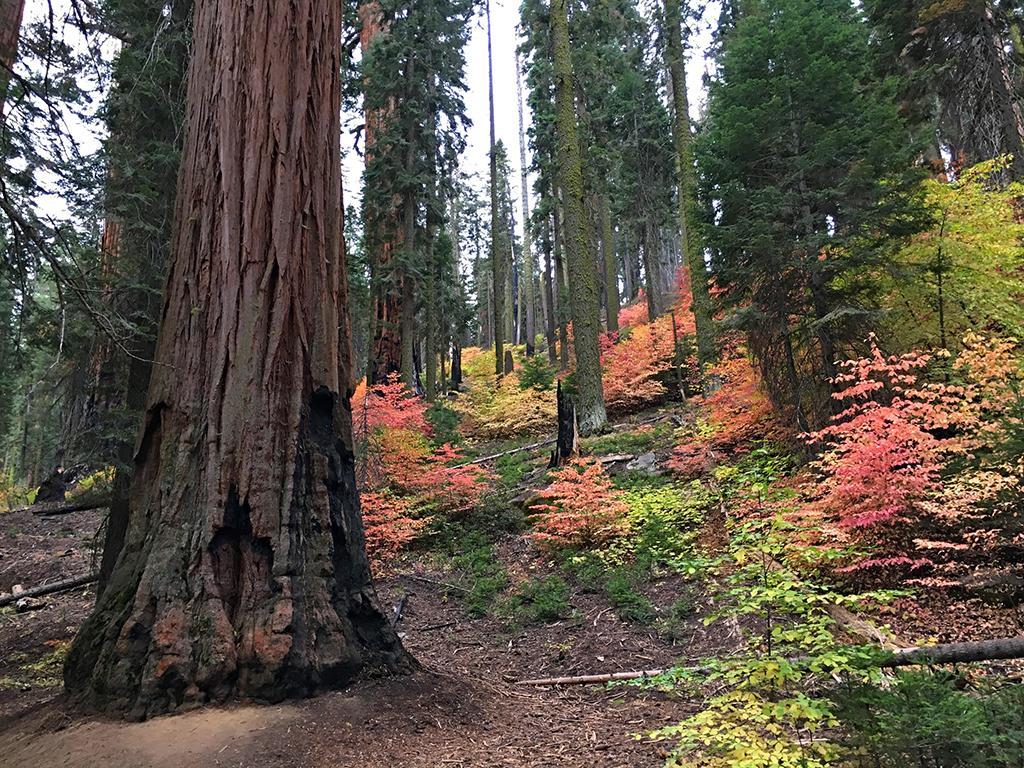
x,y
652,270
498,272
11,12
583,290
529,266
611,274
549,298
432,332
243,571
690,242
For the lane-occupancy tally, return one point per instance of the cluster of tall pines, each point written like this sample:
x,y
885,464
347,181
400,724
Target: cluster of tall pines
x,y
783,199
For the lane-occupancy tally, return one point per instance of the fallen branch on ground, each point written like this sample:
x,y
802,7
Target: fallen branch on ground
x,y
944,653
65,507
493,456
614,428
49,589
435,582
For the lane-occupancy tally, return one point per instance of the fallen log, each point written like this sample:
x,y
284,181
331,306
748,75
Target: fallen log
x,y
955,653
49,589
625,426
65,507
493,456
593,679
944,653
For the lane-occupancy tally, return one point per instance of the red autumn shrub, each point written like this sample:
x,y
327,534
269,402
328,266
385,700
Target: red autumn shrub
x,y
738,414
403,479
887,454
389,523
634,314
580,508
880,458
635,360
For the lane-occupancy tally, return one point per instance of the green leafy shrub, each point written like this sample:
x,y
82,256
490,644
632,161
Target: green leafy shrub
x,y
444,424
477,561
538,600
642,439
623,588
674,623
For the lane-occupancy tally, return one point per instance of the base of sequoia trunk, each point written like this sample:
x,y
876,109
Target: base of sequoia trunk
x,y
204,607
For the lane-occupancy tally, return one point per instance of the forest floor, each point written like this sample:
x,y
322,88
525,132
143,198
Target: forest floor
x,y
462,709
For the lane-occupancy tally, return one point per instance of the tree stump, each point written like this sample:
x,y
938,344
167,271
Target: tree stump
x,y
567,444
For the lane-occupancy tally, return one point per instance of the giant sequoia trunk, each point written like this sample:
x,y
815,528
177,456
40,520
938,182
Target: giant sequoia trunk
x,y
583,288
11,12
384,237
243,571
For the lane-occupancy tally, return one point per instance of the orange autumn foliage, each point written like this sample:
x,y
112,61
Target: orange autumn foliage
x,y
738,414
404,480
580,508
634,362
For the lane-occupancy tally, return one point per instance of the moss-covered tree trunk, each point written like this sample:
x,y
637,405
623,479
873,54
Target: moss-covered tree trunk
x,y
584,295
690,241
243,571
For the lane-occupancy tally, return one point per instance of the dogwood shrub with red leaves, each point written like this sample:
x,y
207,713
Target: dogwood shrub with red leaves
x,y
404,480
886,455
738,414
635,360
580,508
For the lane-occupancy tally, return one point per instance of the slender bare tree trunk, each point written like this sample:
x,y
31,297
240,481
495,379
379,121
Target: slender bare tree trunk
x,y
243,571
549,296
529,267
611,273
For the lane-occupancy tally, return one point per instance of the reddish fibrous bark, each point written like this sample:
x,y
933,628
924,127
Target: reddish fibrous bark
x,y
243,571
11,12
386,331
